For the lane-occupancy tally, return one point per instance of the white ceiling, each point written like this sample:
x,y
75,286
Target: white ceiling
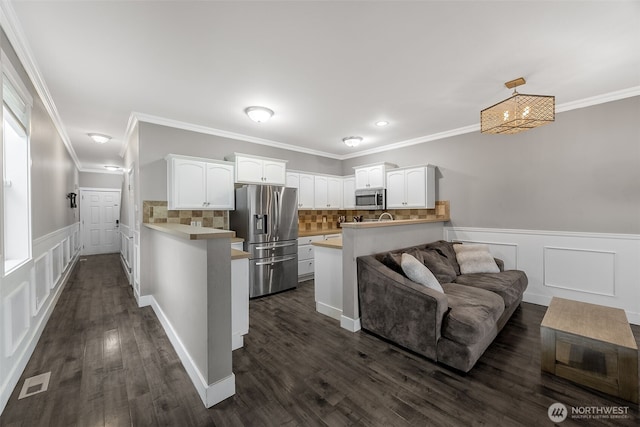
x,y
327,69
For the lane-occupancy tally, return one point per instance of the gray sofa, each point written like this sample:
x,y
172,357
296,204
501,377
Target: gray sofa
x,y
454,327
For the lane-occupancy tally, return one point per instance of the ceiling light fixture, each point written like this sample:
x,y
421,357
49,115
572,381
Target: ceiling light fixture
x,y
518,113
112,167
259,114
352,141
382,123
99,137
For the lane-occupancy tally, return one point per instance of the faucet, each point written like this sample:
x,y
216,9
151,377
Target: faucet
x,y
383,214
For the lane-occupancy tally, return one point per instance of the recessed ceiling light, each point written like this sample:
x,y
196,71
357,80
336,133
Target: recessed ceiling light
x,y
112,167
382,123
259,114
99,137
352,141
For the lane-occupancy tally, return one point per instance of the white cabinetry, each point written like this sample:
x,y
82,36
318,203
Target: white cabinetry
x,y
306,254
349,192
328,192
305,184
258,170
239,301
197,183
411,187
372,176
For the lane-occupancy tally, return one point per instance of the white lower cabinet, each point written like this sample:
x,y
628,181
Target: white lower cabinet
x,y
305,256
239,301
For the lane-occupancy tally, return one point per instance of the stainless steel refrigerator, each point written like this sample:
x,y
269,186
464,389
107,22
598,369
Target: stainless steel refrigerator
x,y
266,217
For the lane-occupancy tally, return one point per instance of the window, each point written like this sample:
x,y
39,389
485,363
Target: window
x,y
16,106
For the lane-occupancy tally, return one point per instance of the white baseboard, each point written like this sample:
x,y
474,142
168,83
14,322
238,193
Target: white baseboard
x,y
350,324
144,300
328,310
209,393
18,368
237,341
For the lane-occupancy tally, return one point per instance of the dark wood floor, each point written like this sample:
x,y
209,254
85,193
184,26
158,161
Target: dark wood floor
x,y
112,365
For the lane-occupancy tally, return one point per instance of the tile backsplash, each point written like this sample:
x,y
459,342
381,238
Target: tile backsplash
x,y
154,212
308,220
312,220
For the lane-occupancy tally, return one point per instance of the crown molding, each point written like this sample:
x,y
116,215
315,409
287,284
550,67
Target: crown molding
x,y
12,28
148,118
598,99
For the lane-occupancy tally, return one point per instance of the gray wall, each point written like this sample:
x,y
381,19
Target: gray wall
x,y
157,141
581,173
53,172
101,180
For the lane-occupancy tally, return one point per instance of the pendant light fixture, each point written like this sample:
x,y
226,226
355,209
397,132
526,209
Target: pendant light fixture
x,y
518,113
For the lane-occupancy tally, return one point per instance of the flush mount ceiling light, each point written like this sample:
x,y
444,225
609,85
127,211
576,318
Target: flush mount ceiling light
x,y
352,141
518,113
382,123
112,167
99,137
259,114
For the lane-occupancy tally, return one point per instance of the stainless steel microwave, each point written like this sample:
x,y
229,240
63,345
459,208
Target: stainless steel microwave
x,y
371,198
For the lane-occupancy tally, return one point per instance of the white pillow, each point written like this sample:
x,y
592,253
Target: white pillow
x,y
475,259
419,273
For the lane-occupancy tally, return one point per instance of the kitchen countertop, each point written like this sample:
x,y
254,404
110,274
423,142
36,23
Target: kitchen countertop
x,y
237,240
374,224
330,243
191,233
236,254
307,233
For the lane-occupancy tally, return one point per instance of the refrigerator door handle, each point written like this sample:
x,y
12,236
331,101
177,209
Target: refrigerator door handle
x,y
276,245
275,261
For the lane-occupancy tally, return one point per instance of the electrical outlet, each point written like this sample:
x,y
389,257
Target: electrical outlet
x,y
198,223
324,218
193,223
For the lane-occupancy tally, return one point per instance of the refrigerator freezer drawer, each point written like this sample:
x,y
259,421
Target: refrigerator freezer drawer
x,y
274,274
272,249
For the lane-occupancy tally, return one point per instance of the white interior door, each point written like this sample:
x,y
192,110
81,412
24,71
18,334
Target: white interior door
x,y
100,218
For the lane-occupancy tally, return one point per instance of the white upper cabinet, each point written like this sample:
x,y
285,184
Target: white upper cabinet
x,y
305,184
411,187
328,192
196,183
258,170
349,192
372,176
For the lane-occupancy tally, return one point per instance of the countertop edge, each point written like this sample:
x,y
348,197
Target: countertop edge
x,y
331,243
188,232
374,224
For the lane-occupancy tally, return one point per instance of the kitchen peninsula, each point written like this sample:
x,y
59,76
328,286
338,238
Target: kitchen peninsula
x,y
188,270
358,239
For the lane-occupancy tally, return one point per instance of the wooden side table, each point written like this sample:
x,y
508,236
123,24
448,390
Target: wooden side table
x,y
591,345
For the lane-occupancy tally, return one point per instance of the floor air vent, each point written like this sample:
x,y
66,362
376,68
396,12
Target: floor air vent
x,y
35,385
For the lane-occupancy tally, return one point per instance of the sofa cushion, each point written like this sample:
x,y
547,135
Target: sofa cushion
x,y
439,265
475,259
419,273
393,259
510,284
445,249
473,313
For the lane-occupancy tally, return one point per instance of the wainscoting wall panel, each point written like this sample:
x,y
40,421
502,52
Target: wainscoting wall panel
x,y
16,318
27,298
126,249
597,268
41,281
580,270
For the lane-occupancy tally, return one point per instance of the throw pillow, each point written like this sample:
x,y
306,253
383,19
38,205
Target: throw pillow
x,y
439,265
475,259
416,271
394,259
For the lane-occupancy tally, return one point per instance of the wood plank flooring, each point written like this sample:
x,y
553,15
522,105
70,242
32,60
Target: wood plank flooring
x,y
112,365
